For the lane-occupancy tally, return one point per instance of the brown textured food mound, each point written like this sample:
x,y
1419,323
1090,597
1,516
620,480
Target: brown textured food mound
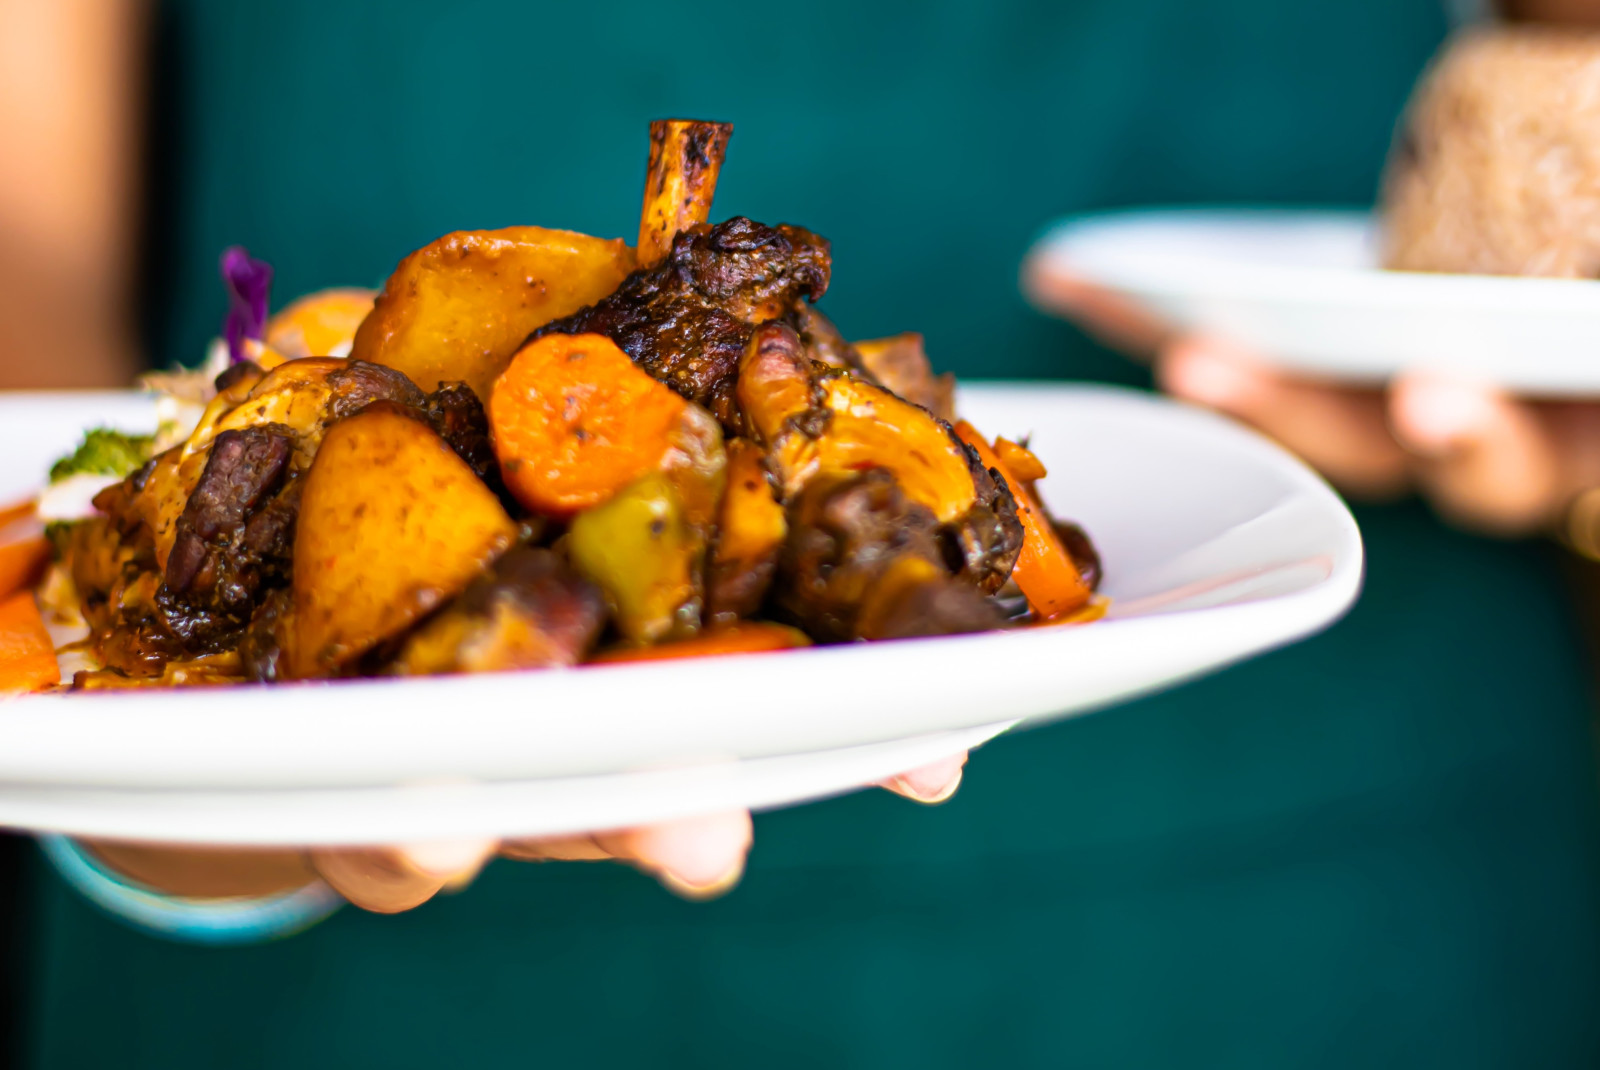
x,y
1497,167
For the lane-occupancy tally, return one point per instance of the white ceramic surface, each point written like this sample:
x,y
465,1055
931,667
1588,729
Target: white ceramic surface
x,y
1302,288
1217,546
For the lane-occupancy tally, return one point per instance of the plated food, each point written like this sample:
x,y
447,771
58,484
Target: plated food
x,y
533,449
1218,546
1496,167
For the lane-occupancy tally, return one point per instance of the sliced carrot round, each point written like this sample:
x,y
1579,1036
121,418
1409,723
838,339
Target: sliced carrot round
x,y
575,420
1019,460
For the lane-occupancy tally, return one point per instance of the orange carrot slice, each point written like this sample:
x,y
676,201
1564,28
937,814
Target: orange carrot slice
x,y
16,511
1044,569
746,637
1019,460
27,656
575,420
22,563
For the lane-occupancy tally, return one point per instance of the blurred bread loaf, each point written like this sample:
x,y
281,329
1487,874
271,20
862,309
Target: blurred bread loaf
x,y
1496,169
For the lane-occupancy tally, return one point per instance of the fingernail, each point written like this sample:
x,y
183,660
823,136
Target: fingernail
x,y
922,793
1204,375
1440,415
442,859
692,889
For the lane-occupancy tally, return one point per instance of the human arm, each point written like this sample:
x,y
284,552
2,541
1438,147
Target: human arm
x,y
70,117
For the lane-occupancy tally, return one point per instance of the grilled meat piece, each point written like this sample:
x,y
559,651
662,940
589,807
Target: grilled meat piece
x,y
453,411
687,320
983,545
901,364
859,553
262,644
225,548
914,599
112,563
459,418
358,384
1081,549
816,419
825,343
530,611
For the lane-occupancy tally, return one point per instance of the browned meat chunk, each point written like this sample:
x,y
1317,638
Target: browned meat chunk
x,y
824,342
816,419
1081,549
458,417
358,384
262,644
529,612
987,540
454,411
913,600
225,549
901,364
864,561
687,321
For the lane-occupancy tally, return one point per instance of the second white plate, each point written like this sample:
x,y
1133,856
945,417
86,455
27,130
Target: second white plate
x,y
1303,289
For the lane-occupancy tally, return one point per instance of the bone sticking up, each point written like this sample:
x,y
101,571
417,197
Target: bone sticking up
x,y
685,158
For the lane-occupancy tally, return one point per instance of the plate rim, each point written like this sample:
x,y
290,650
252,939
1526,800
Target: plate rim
x,y
1297,284
1323,602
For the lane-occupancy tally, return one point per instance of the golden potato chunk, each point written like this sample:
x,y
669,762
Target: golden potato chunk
x,y
750,531
459,308
392,523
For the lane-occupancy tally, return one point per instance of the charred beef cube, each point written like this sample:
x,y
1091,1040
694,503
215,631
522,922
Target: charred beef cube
x,y
530,611
863,561
458,417
358,384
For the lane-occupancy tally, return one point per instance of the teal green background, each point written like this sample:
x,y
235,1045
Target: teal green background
x,y
1377,848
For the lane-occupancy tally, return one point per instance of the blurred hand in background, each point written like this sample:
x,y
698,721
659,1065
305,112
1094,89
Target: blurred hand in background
x,y
696,857
1486,460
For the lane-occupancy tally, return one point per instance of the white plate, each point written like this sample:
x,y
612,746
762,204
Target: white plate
x,y
1303,289
1217,546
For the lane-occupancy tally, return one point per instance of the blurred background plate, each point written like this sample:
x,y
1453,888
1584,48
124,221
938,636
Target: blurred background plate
x,y
1302,288
1217,545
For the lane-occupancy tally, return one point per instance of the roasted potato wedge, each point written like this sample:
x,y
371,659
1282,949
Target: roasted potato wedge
x,y
457,309
392,524
750,532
